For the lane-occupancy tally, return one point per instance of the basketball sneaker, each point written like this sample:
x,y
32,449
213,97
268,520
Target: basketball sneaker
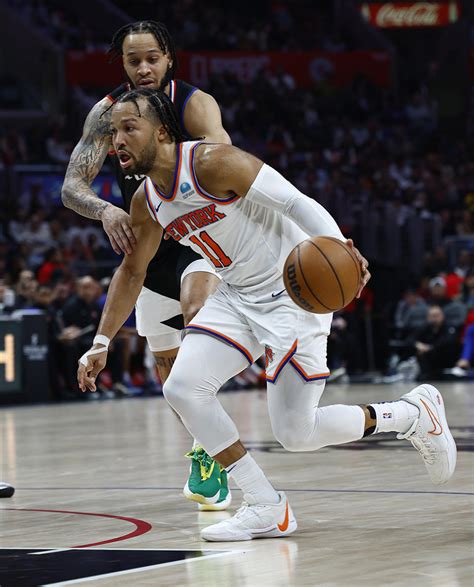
x,y
254,520
225,497
430,434
205,482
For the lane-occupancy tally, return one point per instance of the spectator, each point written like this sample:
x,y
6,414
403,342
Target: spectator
x,y
80,317
465,263
410,314
37,234
466,360
454,311
45,299
341,343
52,269
436,345
7,298
25,290
13,148
467,296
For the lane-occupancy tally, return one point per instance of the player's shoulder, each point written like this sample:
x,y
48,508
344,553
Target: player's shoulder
x,y
189,94
218,159
211,154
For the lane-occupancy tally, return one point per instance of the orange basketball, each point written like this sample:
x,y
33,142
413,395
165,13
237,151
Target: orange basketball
x,y
322,275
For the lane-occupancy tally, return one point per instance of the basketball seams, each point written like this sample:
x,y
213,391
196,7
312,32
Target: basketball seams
x,y
333,270
306,283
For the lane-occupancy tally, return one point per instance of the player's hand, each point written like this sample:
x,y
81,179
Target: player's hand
x,y
364,264
118,227
90,365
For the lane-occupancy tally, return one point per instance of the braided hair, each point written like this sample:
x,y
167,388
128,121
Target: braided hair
x,y
161,34
161,107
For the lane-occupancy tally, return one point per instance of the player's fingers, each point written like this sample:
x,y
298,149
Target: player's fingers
x,y
81,376
114,244
122,243
365,278
89,382
128,234
96,368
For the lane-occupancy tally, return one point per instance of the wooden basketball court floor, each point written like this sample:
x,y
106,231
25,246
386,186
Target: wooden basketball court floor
x,y
98,501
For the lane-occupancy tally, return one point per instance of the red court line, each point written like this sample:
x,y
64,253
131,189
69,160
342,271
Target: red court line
x,y
141,527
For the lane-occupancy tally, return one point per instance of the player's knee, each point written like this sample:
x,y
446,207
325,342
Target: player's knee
x,y
294,435
176,393
187,393
292,443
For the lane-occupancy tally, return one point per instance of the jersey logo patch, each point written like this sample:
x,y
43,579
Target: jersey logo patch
x,y
186,190
268,356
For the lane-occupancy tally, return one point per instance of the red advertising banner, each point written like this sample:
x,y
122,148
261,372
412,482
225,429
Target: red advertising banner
x,y
307,68
410,14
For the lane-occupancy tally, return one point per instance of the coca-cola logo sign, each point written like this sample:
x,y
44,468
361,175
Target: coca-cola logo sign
x,y
411,14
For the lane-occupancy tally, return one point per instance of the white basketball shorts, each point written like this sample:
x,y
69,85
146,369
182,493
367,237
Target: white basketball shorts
x,y
267,322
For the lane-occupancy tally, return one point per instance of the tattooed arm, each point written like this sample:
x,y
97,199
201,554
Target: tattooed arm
x,y
85,163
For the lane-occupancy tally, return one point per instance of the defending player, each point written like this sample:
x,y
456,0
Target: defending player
x,y
178,280
246,218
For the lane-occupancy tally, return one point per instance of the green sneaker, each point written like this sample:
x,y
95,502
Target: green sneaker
x,y
207,482
225,497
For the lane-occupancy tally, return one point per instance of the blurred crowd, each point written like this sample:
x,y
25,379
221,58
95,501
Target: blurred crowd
x,y
276,25
429,333
56,19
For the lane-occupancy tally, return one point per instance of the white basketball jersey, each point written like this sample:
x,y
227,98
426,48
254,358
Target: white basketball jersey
x,y
246,243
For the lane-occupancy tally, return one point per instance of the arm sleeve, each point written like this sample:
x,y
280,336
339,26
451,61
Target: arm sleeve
x,y
272,190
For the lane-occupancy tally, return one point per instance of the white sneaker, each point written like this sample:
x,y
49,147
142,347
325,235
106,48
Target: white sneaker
x,y
430,433
254,520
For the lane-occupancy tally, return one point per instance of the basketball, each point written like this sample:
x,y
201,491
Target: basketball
x,y
322,275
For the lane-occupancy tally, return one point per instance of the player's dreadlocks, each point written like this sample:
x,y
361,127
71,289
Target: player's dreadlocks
x,y
161,34
161,107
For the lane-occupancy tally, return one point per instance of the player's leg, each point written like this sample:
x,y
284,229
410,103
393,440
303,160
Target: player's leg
x,y
159,320
300,425
203,365
198,282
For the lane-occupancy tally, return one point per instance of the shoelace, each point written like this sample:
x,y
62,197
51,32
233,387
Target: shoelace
x,y
206,462
242,510
240,513
424,446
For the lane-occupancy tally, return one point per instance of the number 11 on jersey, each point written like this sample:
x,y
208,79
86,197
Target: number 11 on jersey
x,y
209,246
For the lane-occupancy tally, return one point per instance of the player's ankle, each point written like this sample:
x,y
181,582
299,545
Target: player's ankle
x,y
396,416
370,420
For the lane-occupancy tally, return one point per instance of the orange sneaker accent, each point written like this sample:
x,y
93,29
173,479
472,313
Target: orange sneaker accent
x,y
434,419
284,526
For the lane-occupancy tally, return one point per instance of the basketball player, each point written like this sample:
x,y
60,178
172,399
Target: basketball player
x,y
178,280
246,218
